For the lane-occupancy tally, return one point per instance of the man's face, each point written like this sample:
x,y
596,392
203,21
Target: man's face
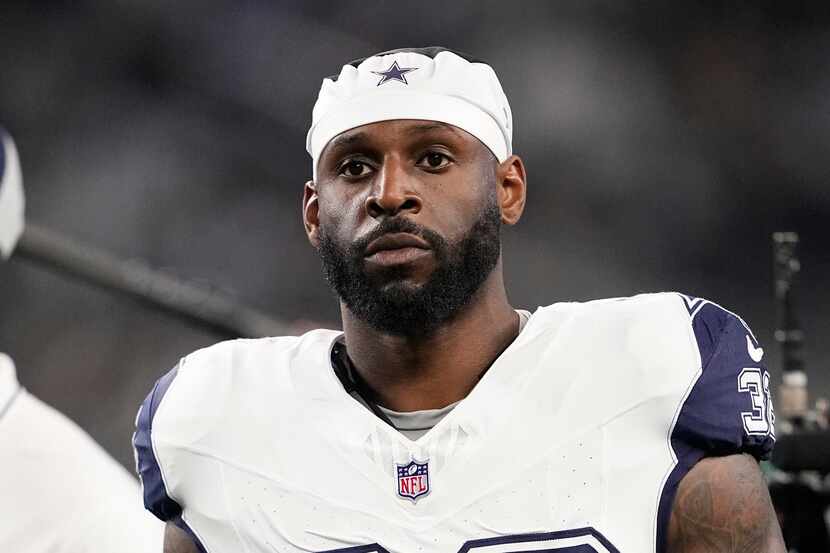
x,y
408,222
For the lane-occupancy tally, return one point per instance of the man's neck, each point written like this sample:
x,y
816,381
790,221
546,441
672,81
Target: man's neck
x,y
409,373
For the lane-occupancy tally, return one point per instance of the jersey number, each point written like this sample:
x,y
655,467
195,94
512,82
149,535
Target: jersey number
x,y
580,540
760,421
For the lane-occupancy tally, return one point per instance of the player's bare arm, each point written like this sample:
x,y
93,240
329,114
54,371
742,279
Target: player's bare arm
x,y
722,505
176,540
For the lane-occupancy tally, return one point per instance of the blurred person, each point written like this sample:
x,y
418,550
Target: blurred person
x,y
443,419
60,492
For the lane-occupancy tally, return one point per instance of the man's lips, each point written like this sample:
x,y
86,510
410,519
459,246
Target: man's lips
x,y
395,241
398,248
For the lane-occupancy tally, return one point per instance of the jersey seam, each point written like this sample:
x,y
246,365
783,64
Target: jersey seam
x,y
153,440
673,453
690,333
229,510
222,461
717,345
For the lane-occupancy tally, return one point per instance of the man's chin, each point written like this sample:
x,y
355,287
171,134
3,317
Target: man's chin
x,y
399,289
398,280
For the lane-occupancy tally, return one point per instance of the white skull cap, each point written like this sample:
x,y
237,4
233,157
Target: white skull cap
x,y
12,201
434,84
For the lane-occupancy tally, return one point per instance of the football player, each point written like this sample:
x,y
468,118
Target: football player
x,y
60,492
441,419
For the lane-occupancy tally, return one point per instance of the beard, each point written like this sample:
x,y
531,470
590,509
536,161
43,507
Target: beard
x,y
387,302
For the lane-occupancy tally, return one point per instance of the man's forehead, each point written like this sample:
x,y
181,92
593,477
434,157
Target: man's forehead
x,y
407,128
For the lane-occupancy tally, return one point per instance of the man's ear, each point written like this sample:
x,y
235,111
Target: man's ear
x,y
511,181
311,208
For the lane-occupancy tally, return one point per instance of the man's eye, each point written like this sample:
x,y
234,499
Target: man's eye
x,y
354,168
434,160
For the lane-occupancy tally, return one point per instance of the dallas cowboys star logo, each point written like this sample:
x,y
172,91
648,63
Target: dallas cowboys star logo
x,y
394,73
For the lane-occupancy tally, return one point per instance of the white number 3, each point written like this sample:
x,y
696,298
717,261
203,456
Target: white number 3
x,y
760,421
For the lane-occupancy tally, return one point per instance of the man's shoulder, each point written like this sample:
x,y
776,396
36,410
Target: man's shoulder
x,y
247,353
651,304
213,381
649,319
219,400
726,407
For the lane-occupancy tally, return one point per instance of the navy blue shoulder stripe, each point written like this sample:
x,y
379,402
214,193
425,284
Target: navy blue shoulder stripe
x,y
156,499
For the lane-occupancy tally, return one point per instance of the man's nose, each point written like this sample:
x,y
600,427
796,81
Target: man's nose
x,y
393,192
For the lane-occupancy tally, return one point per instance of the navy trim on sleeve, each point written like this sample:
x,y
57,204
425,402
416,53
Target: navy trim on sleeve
x,y
728,411
156,499
713,417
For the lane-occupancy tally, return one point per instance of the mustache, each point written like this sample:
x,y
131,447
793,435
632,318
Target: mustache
x,y
397,225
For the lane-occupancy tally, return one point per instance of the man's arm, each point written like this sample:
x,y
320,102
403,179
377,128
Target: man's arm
x,y
723,505
176,540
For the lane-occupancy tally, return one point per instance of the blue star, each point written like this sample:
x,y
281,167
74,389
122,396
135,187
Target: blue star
x,y
394,73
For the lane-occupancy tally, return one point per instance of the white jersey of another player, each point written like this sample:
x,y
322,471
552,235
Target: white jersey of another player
x,y
575,439
60,492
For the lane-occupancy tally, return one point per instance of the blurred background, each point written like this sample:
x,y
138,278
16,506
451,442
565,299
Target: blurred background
x,y
664,144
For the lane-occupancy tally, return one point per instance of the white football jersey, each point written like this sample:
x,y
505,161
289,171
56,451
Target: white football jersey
x,y
574,440
60,492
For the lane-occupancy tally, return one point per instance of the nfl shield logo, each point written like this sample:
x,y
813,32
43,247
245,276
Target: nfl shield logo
x,y
413,479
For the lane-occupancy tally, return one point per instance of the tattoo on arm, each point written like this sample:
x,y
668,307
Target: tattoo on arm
x,y
723,506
